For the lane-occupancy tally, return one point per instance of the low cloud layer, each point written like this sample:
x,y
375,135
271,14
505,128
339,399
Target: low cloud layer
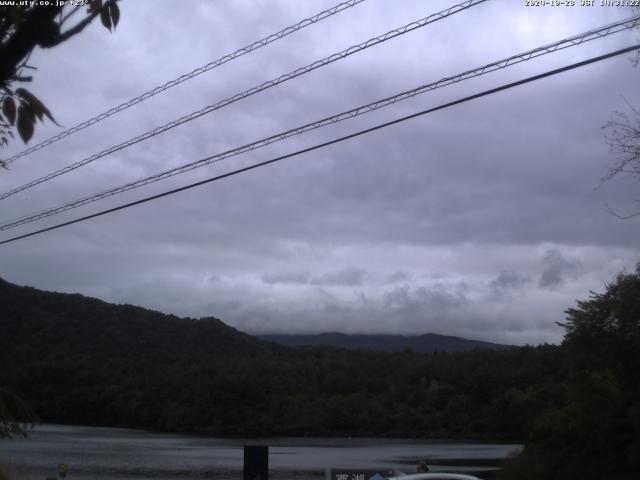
x,y
349,276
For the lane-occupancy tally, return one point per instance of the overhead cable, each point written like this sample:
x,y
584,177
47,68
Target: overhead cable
x,y
252,91
331,142
500,64
188,76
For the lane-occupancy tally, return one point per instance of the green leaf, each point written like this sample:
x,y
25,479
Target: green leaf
x,y
26,120
35,104
105,18
26,95
9,109
115,14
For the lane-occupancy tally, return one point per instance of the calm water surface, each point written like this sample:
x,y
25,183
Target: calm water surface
x,y
117,454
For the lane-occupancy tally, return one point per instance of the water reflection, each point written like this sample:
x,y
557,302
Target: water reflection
x,y
106,453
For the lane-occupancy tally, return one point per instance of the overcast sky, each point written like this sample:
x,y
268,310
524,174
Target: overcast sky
x,y
483,220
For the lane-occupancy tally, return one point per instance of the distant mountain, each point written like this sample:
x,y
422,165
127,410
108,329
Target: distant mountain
x,y
37,325
428,343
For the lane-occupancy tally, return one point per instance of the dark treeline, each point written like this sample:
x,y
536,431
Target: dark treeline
x,y
318,391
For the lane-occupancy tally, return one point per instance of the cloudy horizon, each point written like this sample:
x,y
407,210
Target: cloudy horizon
x,y
485,220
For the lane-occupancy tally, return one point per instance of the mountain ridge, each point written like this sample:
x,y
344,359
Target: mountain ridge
x,y
39,325
426,343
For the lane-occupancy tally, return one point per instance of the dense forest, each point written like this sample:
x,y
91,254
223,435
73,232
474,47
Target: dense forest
x,y
576,406
314,392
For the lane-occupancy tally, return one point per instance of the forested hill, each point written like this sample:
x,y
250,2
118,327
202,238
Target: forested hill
x,y
39,325
428,343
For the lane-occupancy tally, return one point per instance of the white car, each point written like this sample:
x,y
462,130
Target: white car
x,y
434,476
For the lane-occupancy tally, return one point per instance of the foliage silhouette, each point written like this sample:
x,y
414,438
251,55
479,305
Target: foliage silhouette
x,y
23,27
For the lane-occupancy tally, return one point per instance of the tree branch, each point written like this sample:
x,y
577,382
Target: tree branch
x,y
81,25
66,17
623,217
34,30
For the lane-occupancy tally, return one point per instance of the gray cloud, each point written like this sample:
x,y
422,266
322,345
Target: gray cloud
x,y
555,269
347,276
506,283
398,276
508,279
350,276
286,277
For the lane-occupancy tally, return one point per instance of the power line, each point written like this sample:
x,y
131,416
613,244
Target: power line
x,y
183,78
334,141
252,91
506,62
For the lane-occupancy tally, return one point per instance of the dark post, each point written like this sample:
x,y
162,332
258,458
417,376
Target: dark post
x,y
256,463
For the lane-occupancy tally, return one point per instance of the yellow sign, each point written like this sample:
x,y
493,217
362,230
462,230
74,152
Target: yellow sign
x,y
62,470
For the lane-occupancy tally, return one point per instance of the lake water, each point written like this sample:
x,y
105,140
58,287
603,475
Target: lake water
x,y
92,453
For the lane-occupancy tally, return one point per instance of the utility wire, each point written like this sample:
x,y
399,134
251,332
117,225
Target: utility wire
x,y
334,141
500,64
252,91
183,78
